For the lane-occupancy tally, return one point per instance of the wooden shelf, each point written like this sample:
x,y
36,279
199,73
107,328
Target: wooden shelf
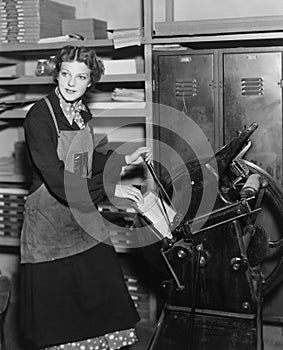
x,y
13,114
118,109
98,113
28,47
122,77
32,80
137,110
12,179
9,241
27,80
113,113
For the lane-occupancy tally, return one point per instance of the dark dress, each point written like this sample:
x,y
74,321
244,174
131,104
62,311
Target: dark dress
x,y
81,296
75,298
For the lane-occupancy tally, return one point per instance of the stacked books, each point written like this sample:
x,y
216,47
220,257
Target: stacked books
x,y
12,205
25,21
89,28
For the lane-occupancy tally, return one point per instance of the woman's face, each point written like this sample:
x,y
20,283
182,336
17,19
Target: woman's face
x,y
73,80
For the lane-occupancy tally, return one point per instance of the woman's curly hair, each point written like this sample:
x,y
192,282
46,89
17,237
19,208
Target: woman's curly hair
x,y
84,54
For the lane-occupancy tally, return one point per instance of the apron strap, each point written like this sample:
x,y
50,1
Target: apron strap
x,y
52,114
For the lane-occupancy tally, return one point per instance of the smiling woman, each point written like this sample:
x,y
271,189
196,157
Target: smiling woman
x,y
92,64
73,80
72,288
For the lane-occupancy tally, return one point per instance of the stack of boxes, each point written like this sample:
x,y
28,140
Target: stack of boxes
x,y
24,21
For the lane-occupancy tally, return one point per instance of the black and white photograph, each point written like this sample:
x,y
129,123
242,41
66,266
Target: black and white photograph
x,y
141,175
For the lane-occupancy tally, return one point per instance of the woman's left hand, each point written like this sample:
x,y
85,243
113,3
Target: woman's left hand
x,y
140,154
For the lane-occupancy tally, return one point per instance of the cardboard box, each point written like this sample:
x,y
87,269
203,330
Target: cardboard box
x,y
120,66
89,28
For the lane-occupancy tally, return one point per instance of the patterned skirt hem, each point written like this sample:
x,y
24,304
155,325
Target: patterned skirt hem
x,y
111,341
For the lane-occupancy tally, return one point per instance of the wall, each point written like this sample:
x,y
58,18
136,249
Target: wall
x,y
118,13
210,9
126,13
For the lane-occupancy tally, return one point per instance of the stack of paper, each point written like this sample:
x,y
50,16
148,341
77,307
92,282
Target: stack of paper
x,y
127,37
97,96
30,20
153,210
124,94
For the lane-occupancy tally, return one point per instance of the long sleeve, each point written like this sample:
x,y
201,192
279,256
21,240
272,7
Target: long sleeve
x,y
41,138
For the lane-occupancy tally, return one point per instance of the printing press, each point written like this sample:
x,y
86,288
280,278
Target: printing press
x,y
215,260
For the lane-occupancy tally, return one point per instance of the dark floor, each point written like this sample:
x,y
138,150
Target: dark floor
x,y
272,334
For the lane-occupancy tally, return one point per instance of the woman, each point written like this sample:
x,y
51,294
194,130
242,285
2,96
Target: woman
x,y
73,294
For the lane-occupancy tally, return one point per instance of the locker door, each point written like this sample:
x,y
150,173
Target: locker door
x,y
185,82
252,93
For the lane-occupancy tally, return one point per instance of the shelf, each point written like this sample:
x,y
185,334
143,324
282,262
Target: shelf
x,y
28,47
13,178
118,109
122,77
32,80
137,110
12,114
213,38
26,80
98,113
117,113
9,241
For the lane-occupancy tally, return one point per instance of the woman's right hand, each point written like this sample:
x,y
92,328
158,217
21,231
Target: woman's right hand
x,y
130,192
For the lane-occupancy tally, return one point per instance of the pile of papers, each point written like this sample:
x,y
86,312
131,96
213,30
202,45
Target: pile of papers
x,y
153,209
127,37
124,94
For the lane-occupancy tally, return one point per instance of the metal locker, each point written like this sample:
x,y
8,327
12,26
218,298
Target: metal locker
x,y
253,93
184,81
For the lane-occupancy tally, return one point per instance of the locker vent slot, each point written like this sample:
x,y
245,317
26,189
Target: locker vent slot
x,y
185,88
252,86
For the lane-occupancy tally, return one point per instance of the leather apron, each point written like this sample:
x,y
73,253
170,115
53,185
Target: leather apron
x,y
51,229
